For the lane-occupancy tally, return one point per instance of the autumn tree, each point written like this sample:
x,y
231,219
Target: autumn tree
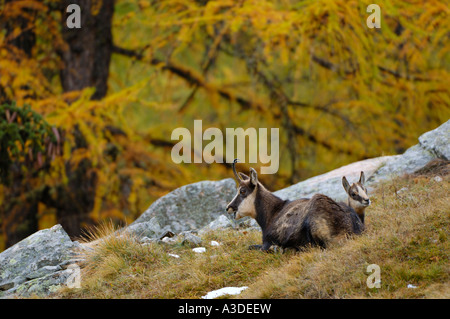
x,y
303,67
338,90
82,58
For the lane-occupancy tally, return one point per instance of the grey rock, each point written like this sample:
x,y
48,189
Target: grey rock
x,y
414,158
224,222
146,240
40,287
437,141
73,261
150,229
219,223
41,272
188,238
250,224
38,255
166,237
433,144
330,183
168,240
191,206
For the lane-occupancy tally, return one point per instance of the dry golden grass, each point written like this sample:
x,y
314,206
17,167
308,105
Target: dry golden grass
x,y
120,267
407,236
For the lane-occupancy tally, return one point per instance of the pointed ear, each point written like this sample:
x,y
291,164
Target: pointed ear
x,y
243,176
345,184
253,177
362,178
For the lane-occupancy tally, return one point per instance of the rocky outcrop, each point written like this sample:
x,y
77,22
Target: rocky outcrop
x,y
330,183
437,141
37,263
150,229
190,207
433,144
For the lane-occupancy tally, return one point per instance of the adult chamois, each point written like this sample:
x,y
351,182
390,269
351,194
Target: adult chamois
x,y
302,222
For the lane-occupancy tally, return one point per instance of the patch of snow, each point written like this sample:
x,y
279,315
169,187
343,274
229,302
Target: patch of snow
x,y
437,179
173,255
168,240
214,243
224,291
411,286
199,250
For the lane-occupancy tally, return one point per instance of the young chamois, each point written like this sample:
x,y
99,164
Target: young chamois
x,y
298,223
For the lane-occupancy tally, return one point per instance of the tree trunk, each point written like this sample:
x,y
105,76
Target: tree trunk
x,y
86,64
86,61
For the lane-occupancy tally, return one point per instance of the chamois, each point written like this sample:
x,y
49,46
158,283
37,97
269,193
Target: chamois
x,y
302,222
358,200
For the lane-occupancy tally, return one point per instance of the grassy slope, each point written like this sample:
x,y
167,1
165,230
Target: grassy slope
x,y
407,236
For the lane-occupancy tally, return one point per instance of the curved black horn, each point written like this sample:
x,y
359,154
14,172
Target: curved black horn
x,y
234,170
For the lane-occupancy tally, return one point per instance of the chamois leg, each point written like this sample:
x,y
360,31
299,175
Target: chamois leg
x,y
321,232
264,247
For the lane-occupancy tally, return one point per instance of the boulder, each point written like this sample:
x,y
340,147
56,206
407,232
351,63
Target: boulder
x,y
42,286
223,222
39,255
189,239
330,183
414,158
149,229
437,141
190,207
220,222
433,144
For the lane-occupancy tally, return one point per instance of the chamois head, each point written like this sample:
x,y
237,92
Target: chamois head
x,y
357,194
243,204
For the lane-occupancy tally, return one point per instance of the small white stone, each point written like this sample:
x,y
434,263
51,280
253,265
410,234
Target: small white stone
x,y
214,243
437,179
402,190
199,250
173,255
168,240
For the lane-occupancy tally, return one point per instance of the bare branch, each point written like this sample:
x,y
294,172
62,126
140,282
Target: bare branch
x,y
191,77
333,67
